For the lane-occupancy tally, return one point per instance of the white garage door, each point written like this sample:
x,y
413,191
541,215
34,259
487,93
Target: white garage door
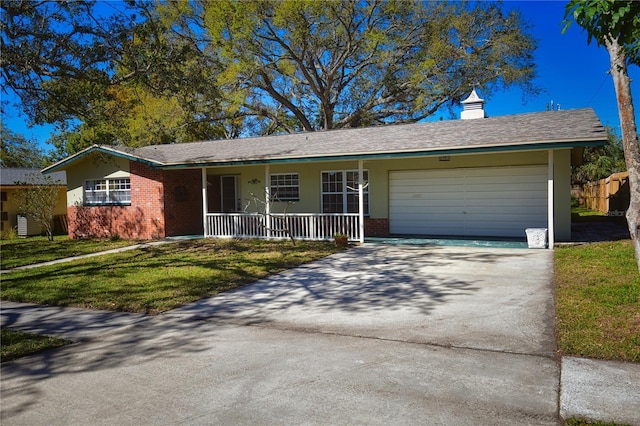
x,y
487,201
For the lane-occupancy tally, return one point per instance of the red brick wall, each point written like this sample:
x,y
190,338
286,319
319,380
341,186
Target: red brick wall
x,y
163,203
142,220
183,202
147,201
127,222
376,227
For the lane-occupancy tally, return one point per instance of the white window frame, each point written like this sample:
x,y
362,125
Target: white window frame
x,y
107,192
289,181
346,190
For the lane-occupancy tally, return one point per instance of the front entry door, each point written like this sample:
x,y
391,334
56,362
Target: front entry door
x,y
229,194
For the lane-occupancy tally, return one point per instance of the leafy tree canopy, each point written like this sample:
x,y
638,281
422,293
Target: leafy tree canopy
x,y
608,18
136,73
110,73
48,48
19,152
600,162
309,65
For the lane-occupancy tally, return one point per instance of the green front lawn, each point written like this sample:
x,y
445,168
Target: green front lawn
x,y
584,212
27,251
598,301
597,285
15,344
159,278
577,421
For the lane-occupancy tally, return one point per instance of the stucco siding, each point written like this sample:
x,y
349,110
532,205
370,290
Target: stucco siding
x,y
310,187
95,166
251,183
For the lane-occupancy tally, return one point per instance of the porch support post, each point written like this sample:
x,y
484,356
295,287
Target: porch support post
x,y
267,200
550,203
205,206
361,198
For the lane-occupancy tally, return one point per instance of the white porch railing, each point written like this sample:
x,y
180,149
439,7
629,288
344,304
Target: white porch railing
x,y
302,226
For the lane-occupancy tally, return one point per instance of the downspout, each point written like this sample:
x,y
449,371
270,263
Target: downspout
x,y
361,199
205,201
550,203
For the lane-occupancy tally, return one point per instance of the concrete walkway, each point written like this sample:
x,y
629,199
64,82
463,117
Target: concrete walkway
x,y
86,256
374,335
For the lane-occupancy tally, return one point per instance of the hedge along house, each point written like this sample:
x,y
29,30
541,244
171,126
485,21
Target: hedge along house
x,y
481,177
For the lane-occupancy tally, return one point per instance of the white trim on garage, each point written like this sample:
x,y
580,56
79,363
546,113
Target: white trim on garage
x,y
481,201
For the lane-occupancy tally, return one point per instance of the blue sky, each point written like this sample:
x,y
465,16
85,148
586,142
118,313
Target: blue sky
x,y
570,72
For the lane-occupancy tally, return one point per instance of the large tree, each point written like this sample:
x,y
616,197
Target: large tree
x,y
100,70
242,68
58,55
18,151
616,26
310,65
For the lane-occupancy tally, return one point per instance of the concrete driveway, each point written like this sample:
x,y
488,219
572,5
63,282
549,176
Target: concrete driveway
x,y
375,335
492,299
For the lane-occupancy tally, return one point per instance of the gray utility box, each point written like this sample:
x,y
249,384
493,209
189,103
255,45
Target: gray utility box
x,y
28,226
536,237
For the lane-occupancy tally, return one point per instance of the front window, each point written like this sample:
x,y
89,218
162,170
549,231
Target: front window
x,y
340,191
285,187
107,191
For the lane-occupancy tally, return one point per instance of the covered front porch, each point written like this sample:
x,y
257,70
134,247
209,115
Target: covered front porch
x,y
242,205
299,226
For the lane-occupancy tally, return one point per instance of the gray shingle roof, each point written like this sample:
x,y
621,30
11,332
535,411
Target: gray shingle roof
x,y
14,177
522,131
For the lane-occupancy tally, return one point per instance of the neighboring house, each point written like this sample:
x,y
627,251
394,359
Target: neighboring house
x,y
485,177
13,180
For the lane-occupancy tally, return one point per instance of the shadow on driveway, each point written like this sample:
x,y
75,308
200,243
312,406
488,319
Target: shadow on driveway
x,y
196,365
496,299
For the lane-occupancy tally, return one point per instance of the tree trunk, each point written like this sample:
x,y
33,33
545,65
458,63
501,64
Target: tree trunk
x,y
622,86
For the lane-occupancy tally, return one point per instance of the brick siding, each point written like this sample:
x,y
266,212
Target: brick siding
x,y
183,202
376,227
163,203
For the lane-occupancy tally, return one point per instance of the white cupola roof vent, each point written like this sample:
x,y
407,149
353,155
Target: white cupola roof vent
x,y
473,107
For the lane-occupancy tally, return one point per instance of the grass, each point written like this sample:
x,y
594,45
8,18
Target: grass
x,y
15,344
156,279
27,251
597,285
576,421
585,212
598,301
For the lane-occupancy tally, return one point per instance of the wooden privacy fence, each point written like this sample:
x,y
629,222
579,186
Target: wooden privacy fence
x,y
610,195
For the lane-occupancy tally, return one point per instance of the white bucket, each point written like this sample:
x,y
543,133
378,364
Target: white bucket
x,y
536,237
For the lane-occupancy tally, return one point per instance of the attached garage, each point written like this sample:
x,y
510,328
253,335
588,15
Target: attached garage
x,y
483,201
